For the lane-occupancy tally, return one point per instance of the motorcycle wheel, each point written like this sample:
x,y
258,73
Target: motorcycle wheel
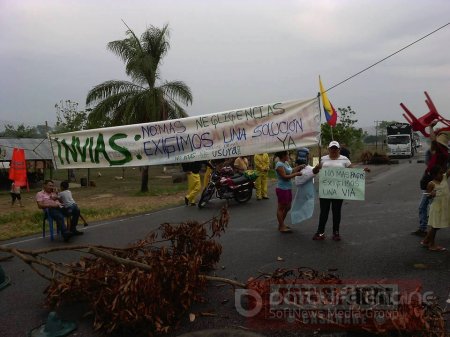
x,y
244,196
206,196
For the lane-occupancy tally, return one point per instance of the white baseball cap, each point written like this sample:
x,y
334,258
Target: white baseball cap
x,y
334,143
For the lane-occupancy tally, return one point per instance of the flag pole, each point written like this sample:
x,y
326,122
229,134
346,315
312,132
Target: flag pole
x,y
320,133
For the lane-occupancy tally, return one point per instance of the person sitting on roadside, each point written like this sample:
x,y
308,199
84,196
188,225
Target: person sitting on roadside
x,y
71,208
48,199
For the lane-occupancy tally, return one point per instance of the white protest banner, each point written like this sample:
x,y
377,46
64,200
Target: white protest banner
x,y
263,128
342,183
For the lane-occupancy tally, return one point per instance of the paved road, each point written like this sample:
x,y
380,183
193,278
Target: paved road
x,y
376,244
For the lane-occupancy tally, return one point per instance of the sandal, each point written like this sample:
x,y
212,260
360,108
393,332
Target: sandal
x,y
437,249
423,244
286,230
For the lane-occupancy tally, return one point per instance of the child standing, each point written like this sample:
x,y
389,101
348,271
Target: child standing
x,y
439,215
15,194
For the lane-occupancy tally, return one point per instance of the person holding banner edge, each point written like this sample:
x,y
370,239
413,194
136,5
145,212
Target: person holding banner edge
x,y
262,166
333,159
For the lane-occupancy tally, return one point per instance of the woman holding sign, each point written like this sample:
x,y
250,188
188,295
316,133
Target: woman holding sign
x,y
333,159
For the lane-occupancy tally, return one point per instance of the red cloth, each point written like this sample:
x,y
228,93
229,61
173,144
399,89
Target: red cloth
x,y
439,157
18,168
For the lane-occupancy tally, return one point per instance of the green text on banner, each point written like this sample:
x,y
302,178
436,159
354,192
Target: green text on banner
x,y
241,132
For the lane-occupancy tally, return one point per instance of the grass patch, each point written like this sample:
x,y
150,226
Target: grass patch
x,y
110,198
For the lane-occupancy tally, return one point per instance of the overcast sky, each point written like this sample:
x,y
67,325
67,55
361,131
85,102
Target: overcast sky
x,y
232,54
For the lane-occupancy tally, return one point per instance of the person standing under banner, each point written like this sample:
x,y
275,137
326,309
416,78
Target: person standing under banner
x,y
303,202
262,165
192,170
208,172
15,194
283,190
240,164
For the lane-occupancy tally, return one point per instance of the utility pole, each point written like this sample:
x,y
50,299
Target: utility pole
x,y
376,135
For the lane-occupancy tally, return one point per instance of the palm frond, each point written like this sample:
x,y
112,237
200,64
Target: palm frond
x,y
141,100
125,49
108,106
155,42
141,70
175,110
177,90
110,88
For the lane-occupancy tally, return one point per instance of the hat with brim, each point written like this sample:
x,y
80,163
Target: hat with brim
x,y
334,144
442,138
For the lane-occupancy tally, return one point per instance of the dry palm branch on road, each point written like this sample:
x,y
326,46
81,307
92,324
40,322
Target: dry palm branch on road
x,y
149,286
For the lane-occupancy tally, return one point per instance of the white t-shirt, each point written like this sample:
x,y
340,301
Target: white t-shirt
x,y
341,161
307,174
66,198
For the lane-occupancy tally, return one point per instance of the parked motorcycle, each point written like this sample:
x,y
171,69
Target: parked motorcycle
x,y
226,185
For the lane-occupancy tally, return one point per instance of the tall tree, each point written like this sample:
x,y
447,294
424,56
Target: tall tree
x,y
344,131
68,117
146,98
21,131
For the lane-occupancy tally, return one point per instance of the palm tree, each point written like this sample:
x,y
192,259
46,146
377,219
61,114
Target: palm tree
x,y
146,98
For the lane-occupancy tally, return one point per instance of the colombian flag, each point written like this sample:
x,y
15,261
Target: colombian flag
x,y
330,112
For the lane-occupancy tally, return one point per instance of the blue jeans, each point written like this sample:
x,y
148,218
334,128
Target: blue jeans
x,y
74,212
423,212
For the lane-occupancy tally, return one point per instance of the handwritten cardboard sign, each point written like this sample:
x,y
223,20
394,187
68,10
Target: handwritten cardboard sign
x,y
342,183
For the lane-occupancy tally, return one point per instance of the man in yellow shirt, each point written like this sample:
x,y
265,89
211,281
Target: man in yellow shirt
x,y
262,165
192,170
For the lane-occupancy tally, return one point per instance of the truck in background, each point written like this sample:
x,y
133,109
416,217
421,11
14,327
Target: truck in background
x,y
400,140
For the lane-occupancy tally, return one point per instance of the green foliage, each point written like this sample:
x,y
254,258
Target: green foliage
x,y
370,139
68,117
381,128
162,190
344,132
21,131
146,98
42,130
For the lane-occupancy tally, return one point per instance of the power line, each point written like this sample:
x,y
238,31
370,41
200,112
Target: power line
x,y
398,51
